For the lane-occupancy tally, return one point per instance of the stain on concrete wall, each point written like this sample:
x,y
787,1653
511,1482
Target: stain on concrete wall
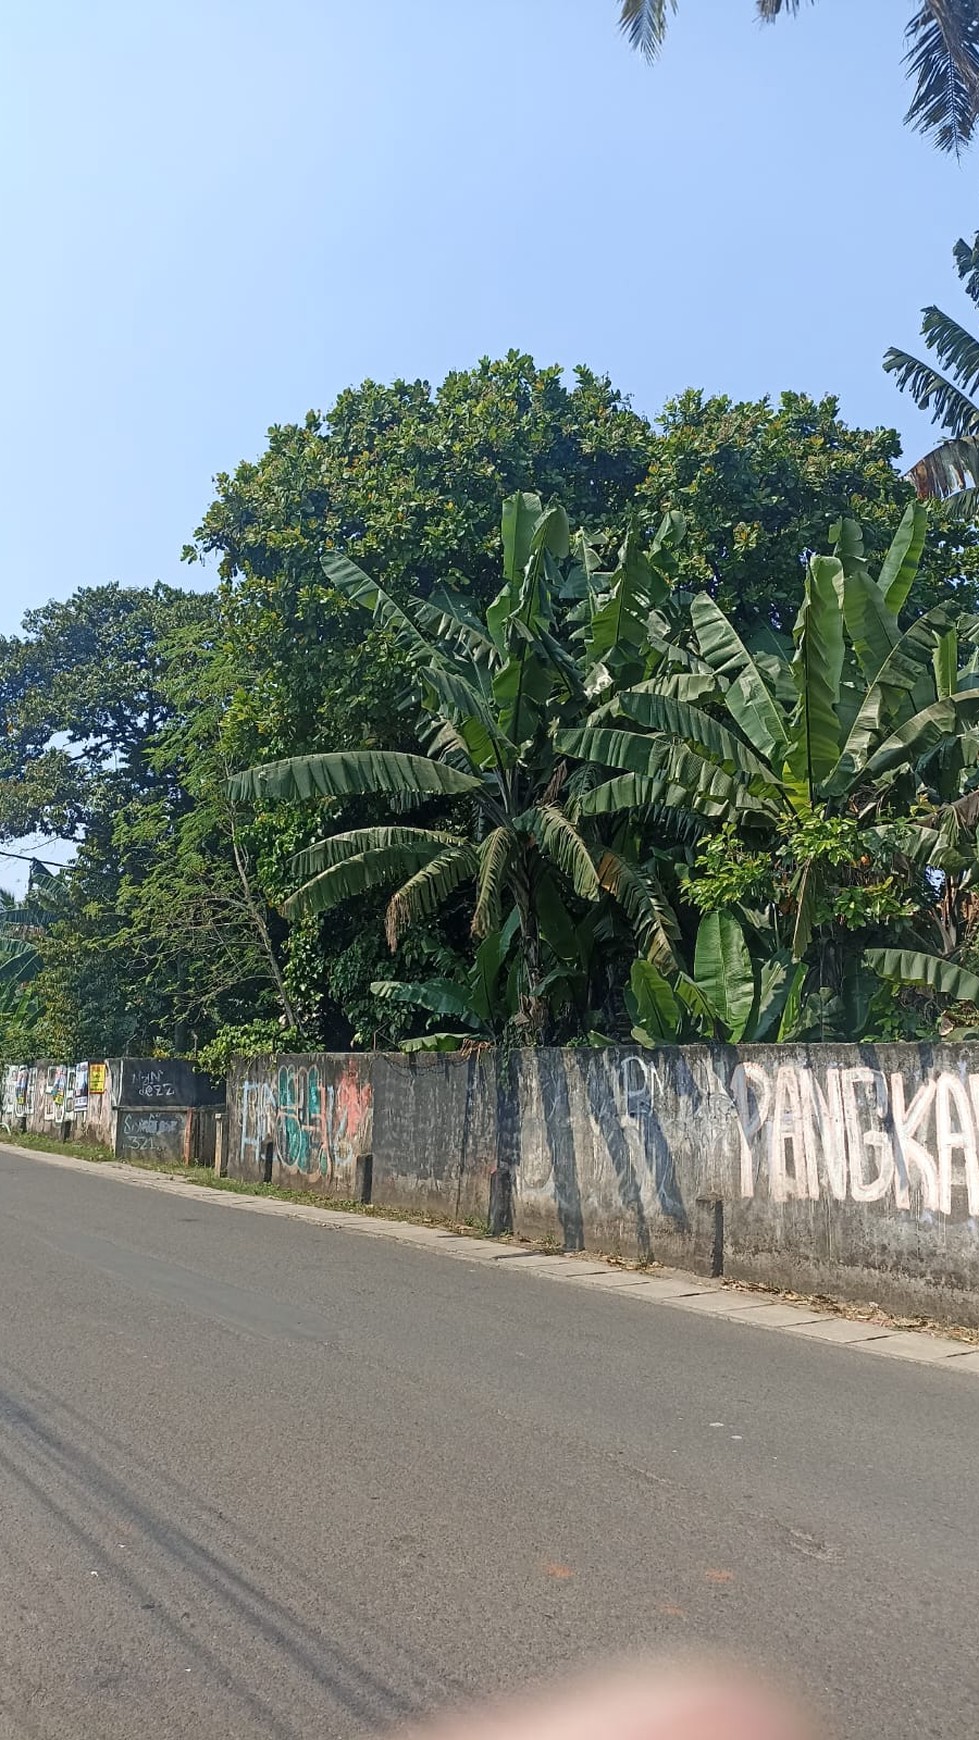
x,y
436,1135
602,1161
305,1121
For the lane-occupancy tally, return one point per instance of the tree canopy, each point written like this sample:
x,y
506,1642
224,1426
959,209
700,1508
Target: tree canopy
x,y
126,711
661,827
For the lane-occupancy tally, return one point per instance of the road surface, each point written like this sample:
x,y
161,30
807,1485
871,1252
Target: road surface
x,y
264,1478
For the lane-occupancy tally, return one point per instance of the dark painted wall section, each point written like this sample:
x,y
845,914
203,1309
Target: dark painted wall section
x,y
168,1081
160,1135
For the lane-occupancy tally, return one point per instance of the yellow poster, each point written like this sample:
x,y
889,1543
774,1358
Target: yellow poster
x,y
96,1078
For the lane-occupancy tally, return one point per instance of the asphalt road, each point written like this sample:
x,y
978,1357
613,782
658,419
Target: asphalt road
x,y
264,1478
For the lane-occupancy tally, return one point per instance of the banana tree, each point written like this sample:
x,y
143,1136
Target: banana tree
x,y
880,732
480,1004
492,691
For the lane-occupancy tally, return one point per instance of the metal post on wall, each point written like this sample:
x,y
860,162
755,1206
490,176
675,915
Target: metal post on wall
x,y
220,1145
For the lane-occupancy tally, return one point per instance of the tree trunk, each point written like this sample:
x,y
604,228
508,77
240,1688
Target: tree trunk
x,y
257,917
533,1017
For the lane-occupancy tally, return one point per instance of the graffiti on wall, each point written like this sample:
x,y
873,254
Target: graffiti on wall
x,y
150,1083
315,1125
859,1134
152,1134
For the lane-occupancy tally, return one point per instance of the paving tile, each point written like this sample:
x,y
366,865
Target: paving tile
x,y
722,1302
967,1362
537,1264
575,1271
655,1288
409,1232
473,1250
926,1349
774,1315
614,1279
840,1329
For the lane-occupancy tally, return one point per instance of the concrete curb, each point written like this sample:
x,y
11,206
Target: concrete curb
x,y
670,1288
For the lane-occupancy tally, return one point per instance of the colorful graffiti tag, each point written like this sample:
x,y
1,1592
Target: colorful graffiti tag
x,y
317,1124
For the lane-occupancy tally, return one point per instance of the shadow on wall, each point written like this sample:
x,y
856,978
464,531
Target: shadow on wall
x,y
821,1168
594,1155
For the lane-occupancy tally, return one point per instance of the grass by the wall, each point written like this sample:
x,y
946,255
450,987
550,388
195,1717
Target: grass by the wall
x,y
207,1179
51,1145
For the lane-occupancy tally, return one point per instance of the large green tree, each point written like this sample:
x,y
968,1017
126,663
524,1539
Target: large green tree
x,y
111,706
942,57
410,482
760,484
82,698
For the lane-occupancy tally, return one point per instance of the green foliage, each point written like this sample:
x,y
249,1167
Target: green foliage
x,y
842,832
524,746
410,483
723,972
758,484
251,1039
950,472
158,935
491,693
726,874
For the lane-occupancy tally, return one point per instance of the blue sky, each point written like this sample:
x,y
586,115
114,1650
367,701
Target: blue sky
x,y
218,213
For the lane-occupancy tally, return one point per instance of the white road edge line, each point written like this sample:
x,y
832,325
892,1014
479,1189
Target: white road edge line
x,y
672,1288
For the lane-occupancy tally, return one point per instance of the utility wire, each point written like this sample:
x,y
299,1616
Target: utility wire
x,y
32,858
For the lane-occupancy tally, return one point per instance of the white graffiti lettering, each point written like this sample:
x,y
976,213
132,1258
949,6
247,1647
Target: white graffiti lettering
x,y
753,1097
858,1134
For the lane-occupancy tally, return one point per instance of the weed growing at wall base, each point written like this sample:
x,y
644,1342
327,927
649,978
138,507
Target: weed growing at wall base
x,y
94,1151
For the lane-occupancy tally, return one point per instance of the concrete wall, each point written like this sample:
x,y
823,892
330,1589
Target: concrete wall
x,y
435,1132
302,1122
841,1169
147,1108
